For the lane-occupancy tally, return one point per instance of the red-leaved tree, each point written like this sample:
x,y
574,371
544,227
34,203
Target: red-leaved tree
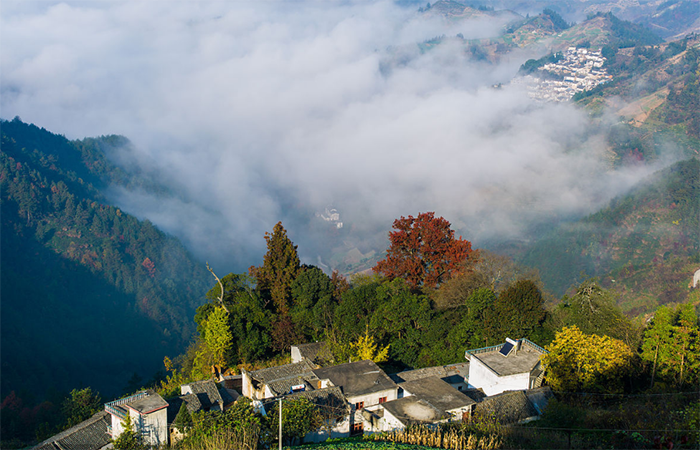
x,y
423,251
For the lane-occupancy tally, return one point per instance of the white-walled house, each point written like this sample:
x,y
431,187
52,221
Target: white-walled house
x,y
511,366
149,416
275,381
428,400
364,385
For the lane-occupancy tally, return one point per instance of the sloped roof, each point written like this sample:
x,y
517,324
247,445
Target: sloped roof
x,y
507,407
539,397
438,393
174,405
316,352
357,378
90,434
207,393
277,373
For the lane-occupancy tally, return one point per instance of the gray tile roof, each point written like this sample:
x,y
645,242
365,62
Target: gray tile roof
x,y
282,372
507,407
174,405
438,393
207,393
90,434
357,378
316,352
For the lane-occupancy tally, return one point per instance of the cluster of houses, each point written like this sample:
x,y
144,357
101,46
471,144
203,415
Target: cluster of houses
x,y
502,381
581,69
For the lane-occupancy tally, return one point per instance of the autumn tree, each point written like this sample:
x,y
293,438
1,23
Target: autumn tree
x,y
280,268
423,251
586,362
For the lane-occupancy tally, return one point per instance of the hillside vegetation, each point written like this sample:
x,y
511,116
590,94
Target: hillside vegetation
x,y
645,245
91,295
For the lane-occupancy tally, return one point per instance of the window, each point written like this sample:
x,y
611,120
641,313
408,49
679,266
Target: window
x,y
359,405
382,400
356,429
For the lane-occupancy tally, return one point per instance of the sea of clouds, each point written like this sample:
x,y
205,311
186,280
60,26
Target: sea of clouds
x,y
252,112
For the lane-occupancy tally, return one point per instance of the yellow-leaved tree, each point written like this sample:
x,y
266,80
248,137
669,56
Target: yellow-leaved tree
x,y
586,362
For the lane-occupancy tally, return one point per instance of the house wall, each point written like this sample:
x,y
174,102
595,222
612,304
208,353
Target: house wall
x,y
250,392
373,398
385,423
296,354
153,426
482,377
339,430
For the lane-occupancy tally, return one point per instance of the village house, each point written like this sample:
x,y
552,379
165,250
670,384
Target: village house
x,y
317,353
515,406
425,401
513,365
149,416
363,383
90,434
206,392
455,375
275,381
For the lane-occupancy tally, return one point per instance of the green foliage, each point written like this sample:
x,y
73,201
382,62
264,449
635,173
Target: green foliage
x,y
518,312
80,405
99,269
671,345
238,428
183,420
593,310
129,438
559,23
299,417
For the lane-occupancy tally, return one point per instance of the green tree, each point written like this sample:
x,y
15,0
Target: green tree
x,y
80,405
280,268
594,310
183,420
299,417
129,438
216,342
517,312
671,345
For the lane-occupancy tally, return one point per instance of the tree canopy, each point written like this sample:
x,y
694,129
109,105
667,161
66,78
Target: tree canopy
x,y
423,251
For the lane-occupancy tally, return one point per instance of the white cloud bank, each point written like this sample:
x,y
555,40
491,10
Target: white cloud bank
x,y
264,111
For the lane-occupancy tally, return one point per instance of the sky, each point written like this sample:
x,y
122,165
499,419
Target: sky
x,y
254,112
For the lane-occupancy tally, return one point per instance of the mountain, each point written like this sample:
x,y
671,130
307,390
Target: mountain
x,y
673,19
644,245
90,294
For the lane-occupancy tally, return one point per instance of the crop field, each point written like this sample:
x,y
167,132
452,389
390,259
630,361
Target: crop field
x,y
358,444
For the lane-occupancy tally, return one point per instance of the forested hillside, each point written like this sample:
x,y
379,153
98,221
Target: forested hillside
x,y
645,244
90,295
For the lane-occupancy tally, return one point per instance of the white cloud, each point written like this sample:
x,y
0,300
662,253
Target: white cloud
x,y
264,111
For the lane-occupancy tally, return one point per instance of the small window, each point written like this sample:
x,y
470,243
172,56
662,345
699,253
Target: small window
x,y
382,400
356,429
359,405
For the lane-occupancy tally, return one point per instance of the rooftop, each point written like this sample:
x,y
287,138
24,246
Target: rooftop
x,y
438,393
518,360
206,391
90,434
507,407
453,373
316,352
357,378
282,372
148,404
413,410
